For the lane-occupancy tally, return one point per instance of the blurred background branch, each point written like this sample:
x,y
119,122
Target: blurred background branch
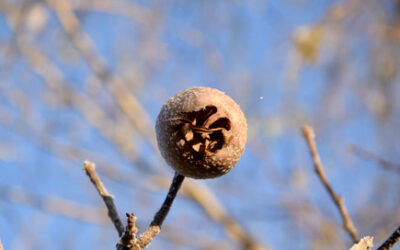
x,y
54,205
363,153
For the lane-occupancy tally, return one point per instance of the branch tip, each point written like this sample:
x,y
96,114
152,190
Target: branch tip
x,y
90,170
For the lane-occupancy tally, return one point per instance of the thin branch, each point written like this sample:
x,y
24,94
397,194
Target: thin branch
x,y
90,170
391,241
129,241
159,217
376,158
348,225
173,190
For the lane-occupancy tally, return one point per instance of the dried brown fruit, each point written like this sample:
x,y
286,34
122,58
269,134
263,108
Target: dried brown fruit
x,y
201,132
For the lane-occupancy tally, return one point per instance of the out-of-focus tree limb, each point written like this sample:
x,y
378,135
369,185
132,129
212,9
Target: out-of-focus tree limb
x,y
374,157
214,209
54,79
23,126
62,207
202,240
137,13
125,99
323,232
348,225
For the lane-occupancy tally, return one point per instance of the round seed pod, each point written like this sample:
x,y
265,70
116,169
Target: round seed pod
x,y
201,132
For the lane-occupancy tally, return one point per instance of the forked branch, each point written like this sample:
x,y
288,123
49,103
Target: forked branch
x,y
129,239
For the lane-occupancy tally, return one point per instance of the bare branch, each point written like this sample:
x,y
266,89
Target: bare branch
x,y
159,217
348,225
90,170
173,190
391,241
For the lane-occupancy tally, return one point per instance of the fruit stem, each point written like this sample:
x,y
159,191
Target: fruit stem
x,y
164,209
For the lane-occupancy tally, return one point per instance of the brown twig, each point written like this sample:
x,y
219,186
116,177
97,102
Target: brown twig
x,y
173,190
90,170
391,241
159,217
348,225
374,157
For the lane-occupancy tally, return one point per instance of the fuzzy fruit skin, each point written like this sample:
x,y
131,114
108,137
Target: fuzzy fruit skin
x,y
201,132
